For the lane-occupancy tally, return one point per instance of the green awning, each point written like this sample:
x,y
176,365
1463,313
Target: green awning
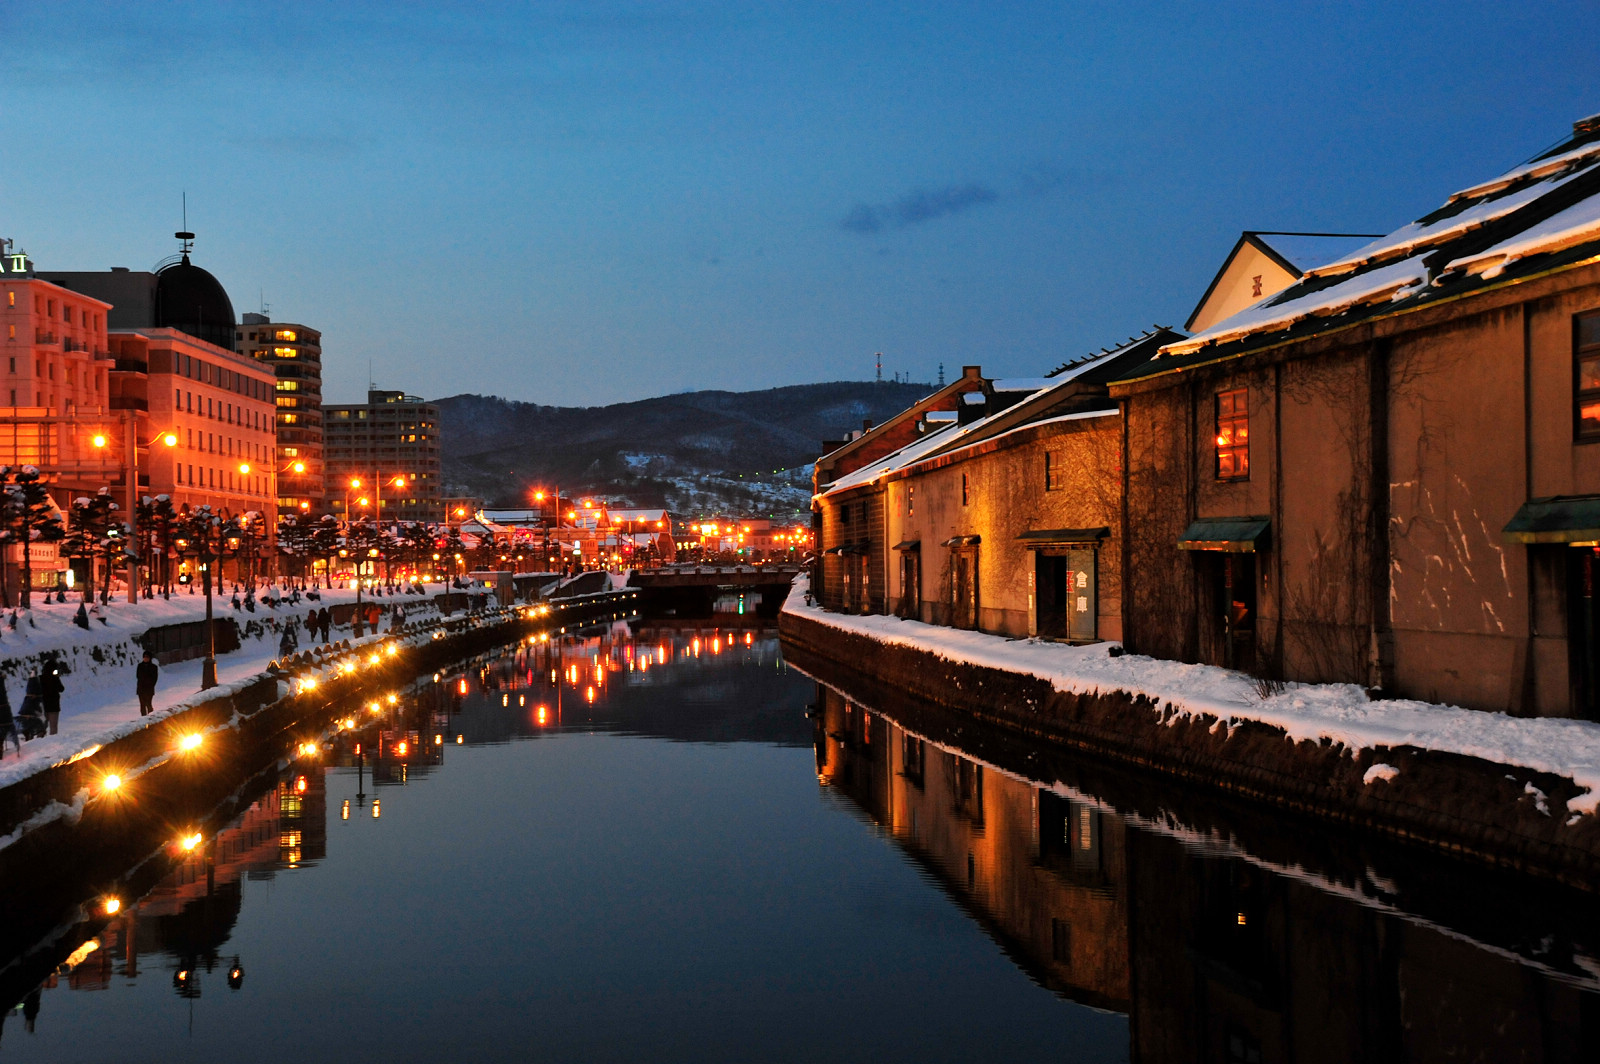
x,y
1045,537
1237,534
1562,519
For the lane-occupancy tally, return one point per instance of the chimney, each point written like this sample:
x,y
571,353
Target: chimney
x,y
972,373
866,425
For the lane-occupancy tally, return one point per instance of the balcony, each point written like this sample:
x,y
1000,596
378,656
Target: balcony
x,y
131,365
129,402
42,337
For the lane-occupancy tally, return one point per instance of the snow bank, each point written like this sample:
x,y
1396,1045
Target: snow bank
x,y
1339,713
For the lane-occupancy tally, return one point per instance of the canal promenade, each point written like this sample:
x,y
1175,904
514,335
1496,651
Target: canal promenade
x,y
100,705
1517,791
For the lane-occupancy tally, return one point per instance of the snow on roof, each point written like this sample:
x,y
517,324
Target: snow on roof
x,y
1023,384
1385,282
1078,366
1576,224
941,415
1537,168
638,514
1429,233
973,398
1305,251
894,460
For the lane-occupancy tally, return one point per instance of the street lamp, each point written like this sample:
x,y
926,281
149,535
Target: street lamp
x,y
101,440
208,535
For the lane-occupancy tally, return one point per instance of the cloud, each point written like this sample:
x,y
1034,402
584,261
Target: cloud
x,y
916,207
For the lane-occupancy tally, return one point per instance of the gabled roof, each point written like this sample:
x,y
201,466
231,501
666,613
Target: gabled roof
x,y
1291,252
971,376
1063,390
1540,216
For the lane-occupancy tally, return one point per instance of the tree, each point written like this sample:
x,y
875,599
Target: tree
x,y
29,515
157,520
90,535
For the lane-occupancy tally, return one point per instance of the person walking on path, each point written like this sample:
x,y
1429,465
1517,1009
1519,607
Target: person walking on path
x,y
30,715
325,619
50,695
8,723
311,623
145,676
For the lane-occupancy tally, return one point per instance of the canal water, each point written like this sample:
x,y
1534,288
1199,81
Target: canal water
x,y
656,841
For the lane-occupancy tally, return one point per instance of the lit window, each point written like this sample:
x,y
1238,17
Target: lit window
x,y
285,352
288,386
1586,390
1233,435
286,334
288,400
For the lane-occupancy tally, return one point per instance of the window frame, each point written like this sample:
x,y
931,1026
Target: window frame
x,y
1239,444
1580,395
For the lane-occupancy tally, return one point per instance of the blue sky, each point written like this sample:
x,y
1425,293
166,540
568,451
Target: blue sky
x,y
590,202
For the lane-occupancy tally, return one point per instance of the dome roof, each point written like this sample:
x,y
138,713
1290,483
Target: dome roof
x,y
191,300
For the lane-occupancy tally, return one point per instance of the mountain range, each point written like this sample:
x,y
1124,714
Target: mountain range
x,y
695,453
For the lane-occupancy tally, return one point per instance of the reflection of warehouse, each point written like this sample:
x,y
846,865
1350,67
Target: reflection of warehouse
x,y
1044,875
1216,957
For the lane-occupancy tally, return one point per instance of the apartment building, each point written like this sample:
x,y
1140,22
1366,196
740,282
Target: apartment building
x,y
390,445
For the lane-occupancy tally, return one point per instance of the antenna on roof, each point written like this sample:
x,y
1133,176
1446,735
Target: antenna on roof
x,y
185,238
879,356
941,374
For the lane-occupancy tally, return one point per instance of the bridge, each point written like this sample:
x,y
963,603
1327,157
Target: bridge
x,y
692,590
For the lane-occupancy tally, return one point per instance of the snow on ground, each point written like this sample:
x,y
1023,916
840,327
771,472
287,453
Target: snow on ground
x,y
99,704
1340,713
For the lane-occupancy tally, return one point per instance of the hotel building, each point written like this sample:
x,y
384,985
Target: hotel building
x,y
294,353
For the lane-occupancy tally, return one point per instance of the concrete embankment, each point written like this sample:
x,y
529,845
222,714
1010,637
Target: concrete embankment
x,y
272,711
1507,815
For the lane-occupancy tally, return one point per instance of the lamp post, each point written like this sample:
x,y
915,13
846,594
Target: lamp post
x,y
130,474
207,535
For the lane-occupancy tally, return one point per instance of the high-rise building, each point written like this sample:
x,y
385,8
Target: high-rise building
x,y
294,352
390,444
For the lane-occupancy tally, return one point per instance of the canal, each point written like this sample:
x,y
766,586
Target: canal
x,y
656,841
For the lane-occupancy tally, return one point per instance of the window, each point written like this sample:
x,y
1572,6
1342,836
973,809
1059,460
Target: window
x,y
287,334
285,352
963,489
1586,390
911,498
1052,472
288,386
1233,434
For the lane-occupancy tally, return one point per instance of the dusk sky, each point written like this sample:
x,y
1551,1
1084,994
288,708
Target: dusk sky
x,y
590,202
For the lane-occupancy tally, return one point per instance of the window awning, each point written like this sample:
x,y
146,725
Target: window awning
x,y
848,548
1054,537
909,544
1562,519
962,541
1239,535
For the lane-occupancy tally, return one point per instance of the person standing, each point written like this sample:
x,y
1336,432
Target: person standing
x,y
312,623
145,677
8,723
50,695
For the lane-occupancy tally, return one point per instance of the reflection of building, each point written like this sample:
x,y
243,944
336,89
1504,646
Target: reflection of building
x,y
295,354
391,436
1215,955
1047,876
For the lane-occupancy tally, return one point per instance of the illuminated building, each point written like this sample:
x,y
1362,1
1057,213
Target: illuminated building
x,y
392,435
294,352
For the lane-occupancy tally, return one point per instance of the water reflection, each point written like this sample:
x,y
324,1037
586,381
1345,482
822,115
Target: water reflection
x,y
1215,952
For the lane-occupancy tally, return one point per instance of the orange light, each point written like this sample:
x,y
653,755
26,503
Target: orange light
x,y
299,467
170,439
461,687
112,906
402,747
99,439
300,784
305,506
588,694
543,715
538,496
244,467
355,482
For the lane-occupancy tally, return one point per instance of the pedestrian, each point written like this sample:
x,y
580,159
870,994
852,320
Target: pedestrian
x,y
8,723
287,644
356,617
145,677
327,624
50,689
312,623
30,715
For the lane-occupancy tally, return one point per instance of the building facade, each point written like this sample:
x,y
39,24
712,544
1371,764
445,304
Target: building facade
x,y
1387,474
294,352
217,407
390,444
